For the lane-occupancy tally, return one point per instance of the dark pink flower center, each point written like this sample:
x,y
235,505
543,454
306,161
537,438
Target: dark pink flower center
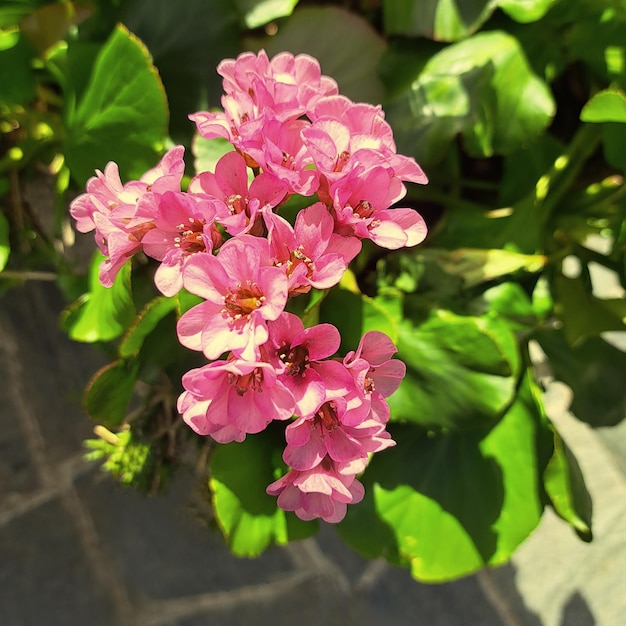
x,y
189,238
342,159
244,382
326,418
236,204
363,210
296,359
243,300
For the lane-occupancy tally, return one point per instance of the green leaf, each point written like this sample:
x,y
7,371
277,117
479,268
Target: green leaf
x,y
16,74
594,370
355,314
442,20
352,39
476,266
12,11
461,371
565,485
105,313
122,115
449,503
249,518
49,23
582,313
144,324
526,10
510,301
207,152
187,39
481,87
606,106
259,12
5,244
109,391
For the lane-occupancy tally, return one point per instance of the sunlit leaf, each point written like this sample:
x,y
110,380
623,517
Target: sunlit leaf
x,y
106,312
249,518
461,371
449,503
122,115
526,10
605,106
442,20
259,12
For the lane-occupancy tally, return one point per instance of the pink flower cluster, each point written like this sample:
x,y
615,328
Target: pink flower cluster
x,y
223,240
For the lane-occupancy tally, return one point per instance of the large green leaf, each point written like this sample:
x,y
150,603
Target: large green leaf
x,y
187,39
461,371
259,12
594,370
442,20
122,115
249,518
449,503
481,87
16,74
349,49
606,106
582,313
105,312
526,10
108,393
145,323
565,485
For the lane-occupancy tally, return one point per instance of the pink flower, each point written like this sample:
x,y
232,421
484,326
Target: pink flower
x,y
361,202
376,374
300,356
122,214
310,253
323,491
240,207
333,431
282,152
230,399
242,291
183,225
289,86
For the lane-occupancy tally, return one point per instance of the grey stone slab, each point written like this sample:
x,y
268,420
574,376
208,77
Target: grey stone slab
x,y
160,550
52,370
45,577
18,475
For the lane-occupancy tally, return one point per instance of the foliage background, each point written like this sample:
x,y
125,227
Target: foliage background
x,y
516,111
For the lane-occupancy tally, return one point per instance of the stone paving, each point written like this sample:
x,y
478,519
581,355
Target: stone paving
x,y
77,550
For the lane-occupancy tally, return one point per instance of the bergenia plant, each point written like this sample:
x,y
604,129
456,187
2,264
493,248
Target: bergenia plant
x,y
230,239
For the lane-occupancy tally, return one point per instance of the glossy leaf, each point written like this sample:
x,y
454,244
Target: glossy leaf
x,y
187,39
145,323
449,503
109,392
461,371
442,20
105,312
582,313
259,12
301,33
122,115
526,10
594,370
565,485
605,106
249,518
476,266
481,87
16,75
